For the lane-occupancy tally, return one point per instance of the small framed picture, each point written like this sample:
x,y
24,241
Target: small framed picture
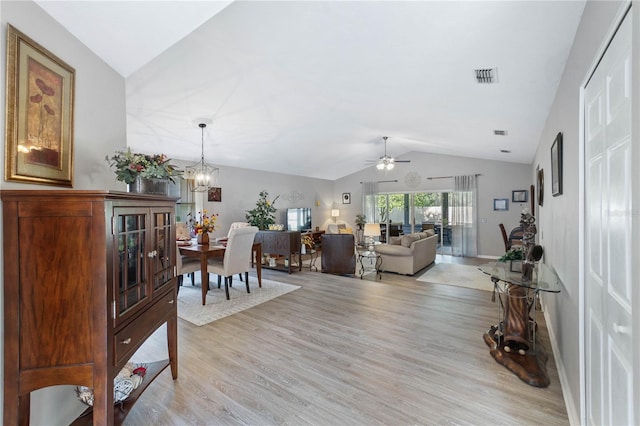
x,y
556,166
501,204
346,198
215,194
519,196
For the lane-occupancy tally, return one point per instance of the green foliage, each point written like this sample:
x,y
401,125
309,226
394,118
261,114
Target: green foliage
x,y
427,199
361,220
263,215
130,165
513,254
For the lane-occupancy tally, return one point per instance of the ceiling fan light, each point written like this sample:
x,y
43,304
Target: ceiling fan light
x,y
380,166
390,165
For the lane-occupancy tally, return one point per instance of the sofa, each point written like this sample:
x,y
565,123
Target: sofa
x,y
409,253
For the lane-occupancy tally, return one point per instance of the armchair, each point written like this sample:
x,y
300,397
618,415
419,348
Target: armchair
x,y
338,254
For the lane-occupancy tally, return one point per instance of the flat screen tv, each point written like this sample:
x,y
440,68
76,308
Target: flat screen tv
x,y
299,219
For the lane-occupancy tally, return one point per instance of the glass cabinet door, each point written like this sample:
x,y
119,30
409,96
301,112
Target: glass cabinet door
x,y
163,248
131,284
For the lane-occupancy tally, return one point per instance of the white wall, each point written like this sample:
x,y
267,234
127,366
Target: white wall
x,y
557,219
497,179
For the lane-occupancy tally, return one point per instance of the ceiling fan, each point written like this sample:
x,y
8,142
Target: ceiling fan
x,y
386,162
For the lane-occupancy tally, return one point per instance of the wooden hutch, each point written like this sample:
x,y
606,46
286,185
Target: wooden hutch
x,y
88,277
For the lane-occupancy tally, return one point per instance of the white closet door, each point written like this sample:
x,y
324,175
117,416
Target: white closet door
x,y
608,216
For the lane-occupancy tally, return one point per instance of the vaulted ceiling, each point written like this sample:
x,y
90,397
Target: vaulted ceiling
x,y
310,88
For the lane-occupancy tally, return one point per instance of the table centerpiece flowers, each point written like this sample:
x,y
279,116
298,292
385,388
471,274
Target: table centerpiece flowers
x,y
201,226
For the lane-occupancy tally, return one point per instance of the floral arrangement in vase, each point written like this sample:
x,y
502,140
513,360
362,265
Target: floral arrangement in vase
x,y
204,222
201,226
130,165
263,215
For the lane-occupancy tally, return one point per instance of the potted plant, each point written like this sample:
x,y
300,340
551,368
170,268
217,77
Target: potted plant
x,y
143,172
263,214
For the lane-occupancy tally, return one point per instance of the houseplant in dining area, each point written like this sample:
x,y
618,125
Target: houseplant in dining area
x,y
263,214
144,173
201,226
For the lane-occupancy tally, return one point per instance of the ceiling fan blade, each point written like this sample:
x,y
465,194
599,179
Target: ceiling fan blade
x,y
402,161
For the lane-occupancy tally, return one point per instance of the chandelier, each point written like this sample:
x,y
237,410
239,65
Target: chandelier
x,y
201,176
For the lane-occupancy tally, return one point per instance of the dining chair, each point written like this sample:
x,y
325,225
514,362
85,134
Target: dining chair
x,y
185,265
236,225
237,257
505,238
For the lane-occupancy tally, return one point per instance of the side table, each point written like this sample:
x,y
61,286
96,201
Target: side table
x,y
373,262
513,341
313,256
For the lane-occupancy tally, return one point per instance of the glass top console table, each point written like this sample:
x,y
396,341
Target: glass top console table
x,y
514,341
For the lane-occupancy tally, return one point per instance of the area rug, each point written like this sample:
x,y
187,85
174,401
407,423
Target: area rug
x,y
457,275
190,306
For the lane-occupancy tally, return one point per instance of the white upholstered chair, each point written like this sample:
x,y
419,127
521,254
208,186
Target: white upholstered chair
x,y
185,265
237,257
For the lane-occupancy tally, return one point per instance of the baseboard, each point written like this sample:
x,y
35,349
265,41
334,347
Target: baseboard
x,y
573,412
484,256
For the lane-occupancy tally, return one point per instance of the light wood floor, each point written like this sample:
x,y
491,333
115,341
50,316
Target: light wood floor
x,y
345,351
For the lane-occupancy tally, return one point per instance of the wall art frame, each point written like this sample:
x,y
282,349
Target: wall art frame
x,y
500,204
39,114
540,182
214,194
556,166
346,198
519,196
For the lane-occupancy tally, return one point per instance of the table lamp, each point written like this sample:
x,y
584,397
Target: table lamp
x,y
371,230
334,214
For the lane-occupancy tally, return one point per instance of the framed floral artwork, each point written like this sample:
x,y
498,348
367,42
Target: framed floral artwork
x,y
39,108
214,194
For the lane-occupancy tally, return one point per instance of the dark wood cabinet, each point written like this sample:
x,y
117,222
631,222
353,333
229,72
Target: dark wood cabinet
x,y
284,244
88,277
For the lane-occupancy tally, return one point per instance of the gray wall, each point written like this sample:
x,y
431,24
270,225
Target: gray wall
x,y
558,224
99,128
497,179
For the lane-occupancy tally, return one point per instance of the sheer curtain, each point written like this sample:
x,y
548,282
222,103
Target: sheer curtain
x,y
464,241
369,192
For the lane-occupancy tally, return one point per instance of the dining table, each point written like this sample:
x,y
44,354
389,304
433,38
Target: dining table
x,y
206,251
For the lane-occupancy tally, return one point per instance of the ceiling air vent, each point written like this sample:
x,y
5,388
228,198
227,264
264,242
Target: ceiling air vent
x,y
486,75
500,132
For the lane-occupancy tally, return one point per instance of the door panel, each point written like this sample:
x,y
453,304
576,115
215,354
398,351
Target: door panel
x,y
608,219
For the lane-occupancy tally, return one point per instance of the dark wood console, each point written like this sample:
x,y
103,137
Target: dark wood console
x,y
281,243
88,277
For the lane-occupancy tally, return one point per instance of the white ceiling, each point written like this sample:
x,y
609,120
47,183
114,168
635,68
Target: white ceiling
x,y
310,88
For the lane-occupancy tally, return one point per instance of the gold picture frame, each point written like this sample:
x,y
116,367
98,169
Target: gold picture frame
x,y
39,108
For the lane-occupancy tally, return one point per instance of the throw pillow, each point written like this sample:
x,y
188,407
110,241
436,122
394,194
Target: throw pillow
x,y
346,231
394,241
430,232
407,240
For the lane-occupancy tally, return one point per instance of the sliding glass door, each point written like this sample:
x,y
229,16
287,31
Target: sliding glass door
x,y
404,213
